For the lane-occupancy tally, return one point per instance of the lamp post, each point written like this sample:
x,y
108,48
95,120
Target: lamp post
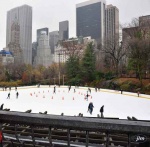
x,y
59,68
63,79
121,63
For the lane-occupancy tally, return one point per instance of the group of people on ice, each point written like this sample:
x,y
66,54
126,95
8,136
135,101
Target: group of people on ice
x,y
17,94
91,106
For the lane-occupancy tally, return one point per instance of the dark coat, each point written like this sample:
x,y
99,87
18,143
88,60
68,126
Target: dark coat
x,y
102,109
1,108
90,106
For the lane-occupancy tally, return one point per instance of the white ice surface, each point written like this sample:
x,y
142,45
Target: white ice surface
x,y
40,100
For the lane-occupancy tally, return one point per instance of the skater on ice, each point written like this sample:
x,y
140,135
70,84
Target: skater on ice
x,y
1,108
69,88
102,111
86,96
17,94
54,90
121,91
90,107
8,97
95,89
89,90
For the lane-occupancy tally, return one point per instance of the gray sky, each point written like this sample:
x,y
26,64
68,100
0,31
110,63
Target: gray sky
x,y
48,13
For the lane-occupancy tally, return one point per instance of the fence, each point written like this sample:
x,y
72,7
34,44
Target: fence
x,y
42,130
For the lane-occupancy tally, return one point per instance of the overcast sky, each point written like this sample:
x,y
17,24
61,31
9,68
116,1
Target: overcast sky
x,y
48,13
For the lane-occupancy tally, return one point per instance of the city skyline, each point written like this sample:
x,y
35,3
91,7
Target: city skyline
x,y
67,12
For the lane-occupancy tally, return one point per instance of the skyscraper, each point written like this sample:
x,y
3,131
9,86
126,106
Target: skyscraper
x,y
90,19
112,23
39,32
14,45
53,40
23,15
43,56
64,30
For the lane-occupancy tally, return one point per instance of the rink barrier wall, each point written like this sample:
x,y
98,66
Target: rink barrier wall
x,y
107,127
83,123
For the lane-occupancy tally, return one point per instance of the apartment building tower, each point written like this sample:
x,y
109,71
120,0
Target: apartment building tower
x,y
23,15
90,19
38,33
112,23
53,40
64,30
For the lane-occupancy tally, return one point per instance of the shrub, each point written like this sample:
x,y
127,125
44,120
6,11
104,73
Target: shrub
x,y
109,76
125,87
8,84
74,81
147,87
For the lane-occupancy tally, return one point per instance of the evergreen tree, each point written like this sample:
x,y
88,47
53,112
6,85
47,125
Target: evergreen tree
x,y
72,67
88,64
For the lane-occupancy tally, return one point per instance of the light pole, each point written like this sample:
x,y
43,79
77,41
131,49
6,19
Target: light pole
x,y
59,68
63,79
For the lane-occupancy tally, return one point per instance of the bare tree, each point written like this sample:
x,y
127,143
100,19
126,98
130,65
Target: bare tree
x,y
113,53
137,38
15,70
73,48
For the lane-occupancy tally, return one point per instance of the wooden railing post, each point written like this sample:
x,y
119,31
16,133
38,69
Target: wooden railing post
x,y
1,136
68,135
16,132
87,138
33,139
107,139
50,136
129,140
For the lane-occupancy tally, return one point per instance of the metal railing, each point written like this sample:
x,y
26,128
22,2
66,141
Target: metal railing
x,y
42,130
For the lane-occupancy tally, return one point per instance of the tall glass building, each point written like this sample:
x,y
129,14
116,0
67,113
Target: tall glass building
x,y
53,40
64,30
90,19
23,15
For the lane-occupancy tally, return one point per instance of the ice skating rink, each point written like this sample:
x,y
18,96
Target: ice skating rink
x,y
71,104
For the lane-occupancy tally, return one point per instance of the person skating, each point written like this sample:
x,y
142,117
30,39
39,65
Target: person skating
x,y
17,94
102,111
89,90
90,107
69,88
38,85
54,90
86,97
1,108
8,97
95,89
121,91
